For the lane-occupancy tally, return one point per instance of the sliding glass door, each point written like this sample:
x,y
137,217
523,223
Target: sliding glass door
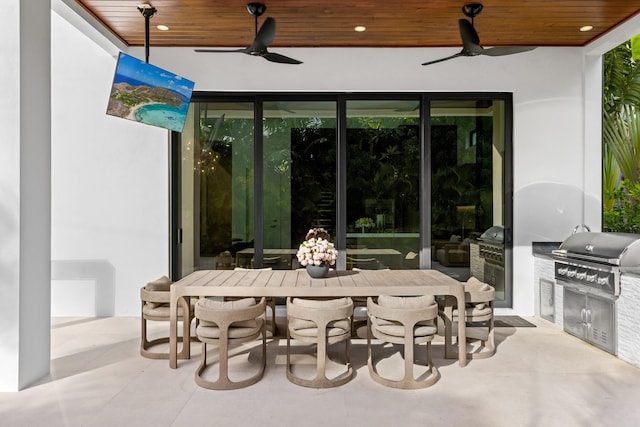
x,y
383,184
406,181
213,181
299,176
468,160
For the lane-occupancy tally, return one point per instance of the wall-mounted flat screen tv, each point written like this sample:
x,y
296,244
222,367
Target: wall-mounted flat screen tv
x,y
145,93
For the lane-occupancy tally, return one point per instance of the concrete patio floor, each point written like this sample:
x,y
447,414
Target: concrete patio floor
x,y
539,377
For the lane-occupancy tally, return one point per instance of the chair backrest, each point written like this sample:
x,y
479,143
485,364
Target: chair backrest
x,y
154,297
269,261
363,263
476,291
162,284
156,291
319,311
407,310
224,313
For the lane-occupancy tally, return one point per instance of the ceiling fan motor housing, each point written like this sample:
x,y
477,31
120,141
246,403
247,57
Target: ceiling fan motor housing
x,y
256,9
472,9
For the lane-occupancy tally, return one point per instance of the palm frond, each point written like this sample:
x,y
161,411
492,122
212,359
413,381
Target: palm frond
x,y
621,133
610,179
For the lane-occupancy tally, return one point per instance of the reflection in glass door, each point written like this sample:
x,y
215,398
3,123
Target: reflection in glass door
x,y
216,186
383,184
467,155
398,181
299,176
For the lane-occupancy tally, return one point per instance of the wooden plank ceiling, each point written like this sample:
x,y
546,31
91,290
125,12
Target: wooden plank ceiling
x,y
330,23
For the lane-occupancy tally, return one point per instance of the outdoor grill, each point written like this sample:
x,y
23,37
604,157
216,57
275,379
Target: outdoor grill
x,y
491,249
596,260
491,245
588,266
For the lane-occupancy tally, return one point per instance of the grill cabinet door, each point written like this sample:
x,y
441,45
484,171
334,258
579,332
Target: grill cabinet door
x,y
601,323
574,317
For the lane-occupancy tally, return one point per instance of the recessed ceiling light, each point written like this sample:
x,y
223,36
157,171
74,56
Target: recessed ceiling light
x,y
586,28
162,27
360,28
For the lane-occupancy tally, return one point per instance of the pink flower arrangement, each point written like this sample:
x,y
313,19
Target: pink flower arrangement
x,y
317,249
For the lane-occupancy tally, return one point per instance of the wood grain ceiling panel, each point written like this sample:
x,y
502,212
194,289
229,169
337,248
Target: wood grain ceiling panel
x,y
330,23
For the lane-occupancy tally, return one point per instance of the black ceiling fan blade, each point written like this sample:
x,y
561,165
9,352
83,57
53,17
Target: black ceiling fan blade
x,y
281,59
471,41
265,35
444,59
243,50
469,35
506,50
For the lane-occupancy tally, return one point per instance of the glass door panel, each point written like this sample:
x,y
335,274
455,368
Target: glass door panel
x,y
467,176
299,178
383,184
464,154
216,185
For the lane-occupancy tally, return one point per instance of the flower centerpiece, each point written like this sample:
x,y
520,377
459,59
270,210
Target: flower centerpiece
x,y
317,253
364,223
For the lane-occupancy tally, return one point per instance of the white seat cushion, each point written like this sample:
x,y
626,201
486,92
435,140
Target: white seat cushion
x,y
159,310
248,328
396,329
475,310
308,328
324,303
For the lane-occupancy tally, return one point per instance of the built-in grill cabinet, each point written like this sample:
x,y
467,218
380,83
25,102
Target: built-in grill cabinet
x,y
590,318
588,265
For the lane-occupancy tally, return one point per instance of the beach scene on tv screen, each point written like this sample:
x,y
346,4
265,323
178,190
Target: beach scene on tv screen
x,y
148,94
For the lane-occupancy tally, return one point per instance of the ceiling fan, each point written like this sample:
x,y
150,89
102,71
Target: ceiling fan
x,y
262,40
471,42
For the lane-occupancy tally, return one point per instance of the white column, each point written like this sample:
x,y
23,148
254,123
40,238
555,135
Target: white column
x,y
25,192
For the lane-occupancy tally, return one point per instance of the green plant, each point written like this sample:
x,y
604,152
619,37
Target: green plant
x,y
621,134
610,179
621,137
625,213
364,222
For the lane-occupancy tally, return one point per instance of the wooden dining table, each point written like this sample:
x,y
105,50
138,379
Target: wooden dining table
x,y
297,283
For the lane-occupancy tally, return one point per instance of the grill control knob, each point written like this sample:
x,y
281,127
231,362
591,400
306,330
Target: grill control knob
x,y
571,273
591,277
603,281
563,271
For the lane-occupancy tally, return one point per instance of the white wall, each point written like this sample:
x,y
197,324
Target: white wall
x,y
110,216
110,184
548,116
25,170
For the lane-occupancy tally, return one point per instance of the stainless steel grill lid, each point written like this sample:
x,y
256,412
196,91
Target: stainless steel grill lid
x,y
621,249
494,234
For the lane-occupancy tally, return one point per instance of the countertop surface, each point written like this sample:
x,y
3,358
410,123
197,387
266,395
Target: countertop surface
x,y
544,248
